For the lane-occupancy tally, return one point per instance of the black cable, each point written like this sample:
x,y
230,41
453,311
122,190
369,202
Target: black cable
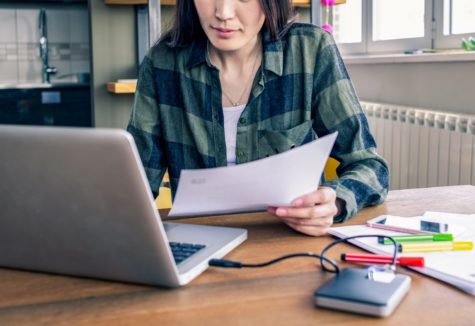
x,y
347,240
233,264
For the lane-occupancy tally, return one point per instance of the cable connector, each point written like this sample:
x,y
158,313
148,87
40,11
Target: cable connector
x,y
225,263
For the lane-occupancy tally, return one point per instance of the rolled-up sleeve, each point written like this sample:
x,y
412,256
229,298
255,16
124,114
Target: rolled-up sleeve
x,y
144,125
362,174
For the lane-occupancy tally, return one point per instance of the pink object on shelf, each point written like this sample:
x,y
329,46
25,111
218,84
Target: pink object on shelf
x,y
328,3
328,28
327,15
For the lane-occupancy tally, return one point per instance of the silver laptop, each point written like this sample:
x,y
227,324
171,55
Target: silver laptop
x,y
77,201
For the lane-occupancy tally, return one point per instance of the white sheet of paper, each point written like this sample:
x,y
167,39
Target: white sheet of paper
x,y
273,181
454,267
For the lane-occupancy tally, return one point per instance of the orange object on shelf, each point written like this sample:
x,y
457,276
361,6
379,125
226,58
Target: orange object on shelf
x,y
122,87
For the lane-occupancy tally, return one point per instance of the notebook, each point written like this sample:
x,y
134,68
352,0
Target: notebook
x,y
77,201
456,268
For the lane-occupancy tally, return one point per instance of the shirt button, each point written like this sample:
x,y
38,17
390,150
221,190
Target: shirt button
x,y
243,121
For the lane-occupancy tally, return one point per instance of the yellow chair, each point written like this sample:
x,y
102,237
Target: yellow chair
x,y
164,200
330,169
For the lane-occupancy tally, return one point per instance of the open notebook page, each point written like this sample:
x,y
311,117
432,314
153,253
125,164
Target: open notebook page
x,y
454,267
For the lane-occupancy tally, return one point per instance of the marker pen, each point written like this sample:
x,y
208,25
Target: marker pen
x,y
380,259
427,237
435,246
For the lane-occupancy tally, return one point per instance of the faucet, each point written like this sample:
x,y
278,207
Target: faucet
x,y
46,70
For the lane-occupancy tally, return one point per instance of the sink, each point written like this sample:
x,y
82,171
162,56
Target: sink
x,y
56,84
24,85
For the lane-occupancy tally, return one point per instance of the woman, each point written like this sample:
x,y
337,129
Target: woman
x,y
237,80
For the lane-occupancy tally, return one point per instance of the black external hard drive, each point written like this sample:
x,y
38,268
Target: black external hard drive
x,y
356,290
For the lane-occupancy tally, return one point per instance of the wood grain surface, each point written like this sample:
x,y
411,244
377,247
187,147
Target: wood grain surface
x,y
281,294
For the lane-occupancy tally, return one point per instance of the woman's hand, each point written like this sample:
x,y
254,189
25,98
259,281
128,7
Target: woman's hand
x,y
311,214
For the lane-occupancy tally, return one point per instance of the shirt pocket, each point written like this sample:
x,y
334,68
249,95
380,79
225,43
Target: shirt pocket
x,y
271,142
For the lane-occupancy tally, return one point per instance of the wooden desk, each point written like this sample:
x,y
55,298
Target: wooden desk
x,y
277,295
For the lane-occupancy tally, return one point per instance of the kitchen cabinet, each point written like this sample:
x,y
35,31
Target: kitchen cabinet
x,y
59,105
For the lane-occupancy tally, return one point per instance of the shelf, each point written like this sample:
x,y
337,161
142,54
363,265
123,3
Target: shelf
x,y
125,2
122,87
305,3
136,2
449,56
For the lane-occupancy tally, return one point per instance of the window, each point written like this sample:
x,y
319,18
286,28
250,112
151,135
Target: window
x,y
454,19
396,26
459,17
348,22
397,19
348,18
399,25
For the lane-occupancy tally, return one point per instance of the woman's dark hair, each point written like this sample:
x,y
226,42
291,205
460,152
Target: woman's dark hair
x,y
186,26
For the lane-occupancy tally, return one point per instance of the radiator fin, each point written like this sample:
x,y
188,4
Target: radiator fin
x,y
424,148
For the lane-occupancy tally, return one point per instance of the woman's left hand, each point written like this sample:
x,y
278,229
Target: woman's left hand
x,y
311,214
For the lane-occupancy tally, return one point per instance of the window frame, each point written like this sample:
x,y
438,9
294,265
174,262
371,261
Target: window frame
x,y
441,41
400,45
433,32
360,47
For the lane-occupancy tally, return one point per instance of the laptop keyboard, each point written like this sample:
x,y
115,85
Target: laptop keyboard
x,y
182,251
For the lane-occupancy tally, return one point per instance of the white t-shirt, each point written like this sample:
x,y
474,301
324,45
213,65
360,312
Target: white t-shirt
x,y
231,118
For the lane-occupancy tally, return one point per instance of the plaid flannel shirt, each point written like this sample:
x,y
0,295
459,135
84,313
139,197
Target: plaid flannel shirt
x,y
301,91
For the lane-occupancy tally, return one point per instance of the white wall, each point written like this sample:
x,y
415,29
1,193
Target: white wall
x,y
68,41
114,57
443,86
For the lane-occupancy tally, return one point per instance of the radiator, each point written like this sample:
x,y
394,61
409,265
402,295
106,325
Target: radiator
x,y
423,148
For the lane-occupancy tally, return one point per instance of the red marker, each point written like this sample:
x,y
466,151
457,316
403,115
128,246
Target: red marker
x,y
378,259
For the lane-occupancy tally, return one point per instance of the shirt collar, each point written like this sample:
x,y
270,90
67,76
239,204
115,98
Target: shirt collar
x,y
273,54
197,53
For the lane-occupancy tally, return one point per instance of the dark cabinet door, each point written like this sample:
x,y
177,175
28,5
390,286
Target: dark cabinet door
x,y
68,106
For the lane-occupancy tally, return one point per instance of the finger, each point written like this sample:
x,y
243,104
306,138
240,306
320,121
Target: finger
x,y
271,210
322,195
309,230
326,221
307,212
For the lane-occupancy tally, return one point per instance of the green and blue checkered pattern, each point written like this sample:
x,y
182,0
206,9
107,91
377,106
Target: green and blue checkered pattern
x,y
302,91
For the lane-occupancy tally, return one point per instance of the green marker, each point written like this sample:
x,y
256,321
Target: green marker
x,y
427,237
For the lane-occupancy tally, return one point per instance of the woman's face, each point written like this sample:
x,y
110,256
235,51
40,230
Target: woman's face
x,y
231,25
